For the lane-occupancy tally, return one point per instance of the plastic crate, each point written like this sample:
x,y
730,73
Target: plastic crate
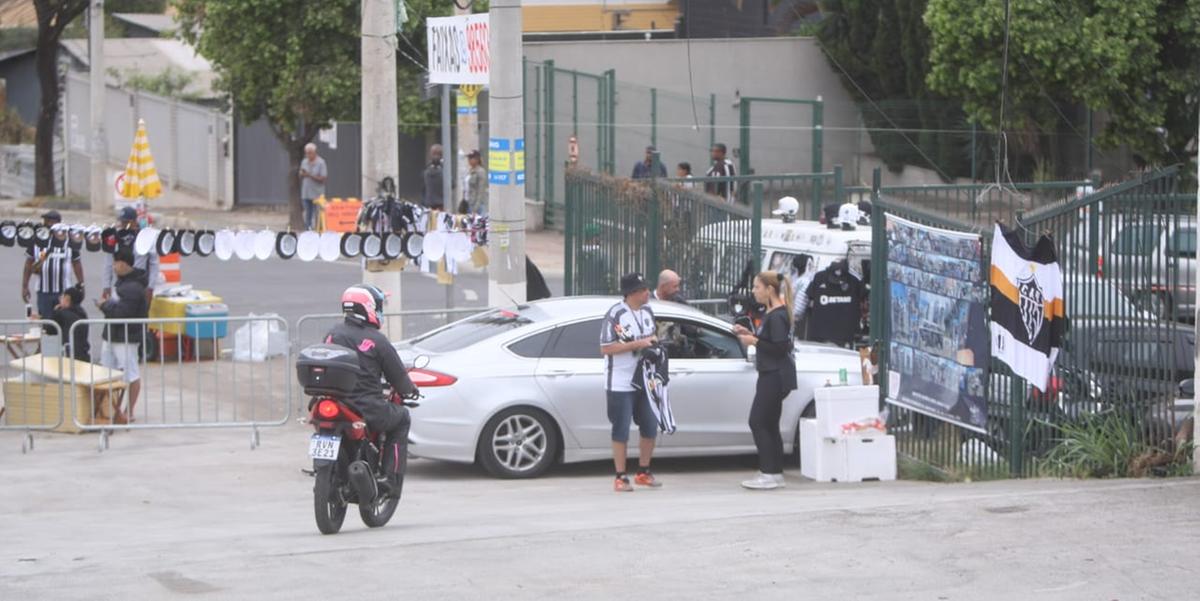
x,y
207,329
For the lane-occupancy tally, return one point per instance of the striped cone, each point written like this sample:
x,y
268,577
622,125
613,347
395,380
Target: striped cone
x,y
168,266
141,178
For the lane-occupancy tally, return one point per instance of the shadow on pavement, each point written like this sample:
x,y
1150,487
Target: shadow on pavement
x,y
442,470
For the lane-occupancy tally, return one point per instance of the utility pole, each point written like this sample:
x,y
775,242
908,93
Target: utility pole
x,y
506,131
468,127
1196,324
380,143
99,189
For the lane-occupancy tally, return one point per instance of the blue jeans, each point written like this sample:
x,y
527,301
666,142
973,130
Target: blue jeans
x,y
309,209
626,406
45,308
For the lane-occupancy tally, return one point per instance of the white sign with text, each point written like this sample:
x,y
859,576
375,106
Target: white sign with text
x,y
457,48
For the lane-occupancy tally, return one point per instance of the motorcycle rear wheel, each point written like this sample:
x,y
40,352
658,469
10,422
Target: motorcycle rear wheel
x,y
328,504
378,513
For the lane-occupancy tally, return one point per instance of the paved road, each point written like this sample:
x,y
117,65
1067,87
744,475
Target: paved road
x,y
164,515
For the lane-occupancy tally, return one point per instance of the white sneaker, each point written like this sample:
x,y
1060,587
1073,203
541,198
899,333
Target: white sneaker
x,y
779,480
762,482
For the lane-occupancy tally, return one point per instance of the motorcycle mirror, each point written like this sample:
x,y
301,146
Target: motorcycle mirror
x,y
421,362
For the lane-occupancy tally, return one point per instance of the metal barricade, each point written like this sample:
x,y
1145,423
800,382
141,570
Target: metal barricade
x,y
30,398
171,373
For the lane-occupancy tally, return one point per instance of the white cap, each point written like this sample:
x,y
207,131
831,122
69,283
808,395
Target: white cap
x,y
848,214
787,206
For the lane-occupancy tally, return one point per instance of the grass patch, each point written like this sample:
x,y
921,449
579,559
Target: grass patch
x,y
1108,445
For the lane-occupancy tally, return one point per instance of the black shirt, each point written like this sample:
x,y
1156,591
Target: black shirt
x,y
81,349
835,299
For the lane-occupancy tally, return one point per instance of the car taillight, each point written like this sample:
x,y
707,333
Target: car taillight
x,y
328,409
425,378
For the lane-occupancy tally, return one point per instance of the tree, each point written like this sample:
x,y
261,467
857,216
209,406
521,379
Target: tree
x,y
1135,59
52,17
880,49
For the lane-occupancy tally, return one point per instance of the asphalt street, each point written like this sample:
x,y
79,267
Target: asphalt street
x,y
196,514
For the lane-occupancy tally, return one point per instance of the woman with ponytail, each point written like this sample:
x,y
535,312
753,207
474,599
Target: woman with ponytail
x,y
776,375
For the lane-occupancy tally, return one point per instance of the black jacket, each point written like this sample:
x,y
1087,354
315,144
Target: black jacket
x,y
775,348
377,358
80,349
129,303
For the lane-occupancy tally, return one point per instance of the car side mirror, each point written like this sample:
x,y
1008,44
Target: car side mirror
x,y
1187,389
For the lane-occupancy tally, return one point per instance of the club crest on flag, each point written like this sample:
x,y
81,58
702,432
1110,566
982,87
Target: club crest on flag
x,y
1033,305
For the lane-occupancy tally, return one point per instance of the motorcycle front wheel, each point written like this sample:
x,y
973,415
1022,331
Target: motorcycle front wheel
x,y
378,513
328,504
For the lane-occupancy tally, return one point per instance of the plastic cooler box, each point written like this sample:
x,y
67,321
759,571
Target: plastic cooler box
x,y
206,330
837,405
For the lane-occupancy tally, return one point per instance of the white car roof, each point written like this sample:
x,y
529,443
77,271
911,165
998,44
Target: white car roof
x,y
801,235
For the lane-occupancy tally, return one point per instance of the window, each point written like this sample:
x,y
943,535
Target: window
x,y
1138,240
577,341
476,329
532,347
690,340
1183,244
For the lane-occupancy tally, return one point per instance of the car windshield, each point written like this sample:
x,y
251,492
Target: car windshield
x,y
476,329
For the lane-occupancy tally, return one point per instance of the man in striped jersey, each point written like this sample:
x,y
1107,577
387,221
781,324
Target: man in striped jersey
x,y
721,167
57,265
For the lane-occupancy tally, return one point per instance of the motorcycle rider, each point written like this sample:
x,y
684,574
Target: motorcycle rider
x,y
363,307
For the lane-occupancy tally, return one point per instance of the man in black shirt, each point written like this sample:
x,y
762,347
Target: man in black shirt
x,y
835,299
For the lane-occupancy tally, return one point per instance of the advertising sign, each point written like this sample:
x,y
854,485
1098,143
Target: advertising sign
x,y
457,48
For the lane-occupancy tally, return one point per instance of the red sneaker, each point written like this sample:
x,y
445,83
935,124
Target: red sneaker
x,y
622,485
646,479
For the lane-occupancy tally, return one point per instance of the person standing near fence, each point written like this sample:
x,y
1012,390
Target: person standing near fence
x,y
646,169
313,173
721,167
148,262
68,311
668,289
119,349
57,265
431,196
475,192
776,375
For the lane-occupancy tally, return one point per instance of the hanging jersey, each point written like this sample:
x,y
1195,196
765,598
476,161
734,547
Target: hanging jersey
x,y
56,272
835,299
1028,318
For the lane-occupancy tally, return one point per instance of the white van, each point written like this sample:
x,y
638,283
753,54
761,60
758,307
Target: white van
x,y
783,243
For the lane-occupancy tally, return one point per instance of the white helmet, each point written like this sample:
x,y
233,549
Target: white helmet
x,y
787,206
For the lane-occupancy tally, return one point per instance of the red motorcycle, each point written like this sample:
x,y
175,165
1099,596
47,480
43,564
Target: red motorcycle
x,y
345,453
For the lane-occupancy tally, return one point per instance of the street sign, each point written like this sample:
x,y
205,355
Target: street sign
x,y
457,48
573,149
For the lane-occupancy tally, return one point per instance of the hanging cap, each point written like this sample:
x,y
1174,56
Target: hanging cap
x,y
52,215
127,214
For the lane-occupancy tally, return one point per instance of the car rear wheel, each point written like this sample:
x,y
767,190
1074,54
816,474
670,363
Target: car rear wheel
x,y
520,442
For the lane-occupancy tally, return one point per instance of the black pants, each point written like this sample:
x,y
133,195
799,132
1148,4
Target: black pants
x,y
764,421
392,421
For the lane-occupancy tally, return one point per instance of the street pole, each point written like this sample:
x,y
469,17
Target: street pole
x,y
99,188
380,143
468,134
1196,324
506,127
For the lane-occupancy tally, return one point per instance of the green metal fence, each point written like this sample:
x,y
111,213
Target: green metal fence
x,y
1127,254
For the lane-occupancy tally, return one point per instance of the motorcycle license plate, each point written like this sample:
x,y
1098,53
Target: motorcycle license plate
x,y
324,446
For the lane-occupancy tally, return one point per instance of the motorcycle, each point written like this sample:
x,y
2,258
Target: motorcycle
x,y
345,452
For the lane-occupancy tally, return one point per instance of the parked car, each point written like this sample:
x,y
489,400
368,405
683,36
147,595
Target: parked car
x,y
1184,404
519,390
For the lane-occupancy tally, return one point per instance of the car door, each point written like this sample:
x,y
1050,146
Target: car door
x,y
711,386
571,373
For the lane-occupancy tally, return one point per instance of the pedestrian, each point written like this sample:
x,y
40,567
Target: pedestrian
x,y
313,174
646,168
627,329
475,192
56,263
683,171
721,167
776,375
595,268
432,196
668,288
120,341
68,311
128,220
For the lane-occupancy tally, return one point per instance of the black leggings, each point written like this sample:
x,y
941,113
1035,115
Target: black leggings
x,y
764,421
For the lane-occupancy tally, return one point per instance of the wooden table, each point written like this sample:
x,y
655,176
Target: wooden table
x,y
101,387
18,345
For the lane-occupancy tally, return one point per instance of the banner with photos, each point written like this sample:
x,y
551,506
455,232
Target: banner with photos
x,y
938,338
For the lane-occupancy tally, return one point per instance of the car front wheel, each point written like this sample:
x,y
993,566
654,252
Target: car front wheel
x,y
520,442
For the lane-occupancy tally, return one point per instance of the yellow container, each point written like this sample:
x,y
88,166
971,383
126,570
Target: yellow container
x,y
170,308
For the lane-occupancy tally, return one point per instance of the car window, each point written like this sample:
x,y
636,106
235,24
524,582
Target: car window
x,y
475,329
686,339
1183,243
577,341
532,346
1139,240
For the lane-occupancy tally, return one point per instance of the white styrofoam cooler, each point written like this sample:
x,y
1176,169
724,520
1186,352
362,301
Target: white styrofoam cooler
x,y
837,405
845,458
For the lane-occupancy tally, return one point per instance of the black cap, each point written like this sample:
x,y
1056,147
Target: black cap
x,y
124,254
76,294
52,215
474,154
127,214
633,282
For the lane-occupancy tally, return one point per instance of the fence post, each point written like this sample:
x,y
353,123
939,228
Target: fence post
x,y
744,141
654,117
654,233
712,120
839,188
818,136
879,299
569,220
612,121
575,103
549,164
601,106
973,130
756,225
537,127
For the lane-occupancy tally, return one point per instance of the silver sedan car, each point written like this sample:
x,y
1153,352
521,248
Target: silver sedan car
x,y
520,390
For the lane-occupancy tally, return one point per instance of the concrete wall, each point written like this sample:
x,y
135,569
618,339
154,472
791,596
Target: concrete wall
x,y
21,84
768,67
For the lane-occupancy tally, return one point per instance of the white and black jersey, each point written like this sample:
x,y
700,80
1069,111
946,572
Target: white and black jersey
x,y
721,168
623,324
56,272
1028,317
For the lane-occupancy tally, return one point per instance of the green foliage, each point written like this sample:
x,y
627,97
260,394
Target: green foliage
x,y
171,82
1108,445
1135,59
12,129
17,38
883,47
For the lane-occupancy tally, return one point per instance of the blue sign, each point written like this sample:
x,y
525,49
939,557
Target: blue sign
x,y
521,178
501,177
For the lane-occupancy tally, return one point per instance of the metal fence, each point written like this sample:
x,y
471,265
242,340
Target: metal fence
x,y
1127,254
27,402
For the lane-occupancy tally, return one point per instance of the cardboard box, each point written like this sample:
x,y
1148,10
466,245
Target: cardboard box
x,y
37,404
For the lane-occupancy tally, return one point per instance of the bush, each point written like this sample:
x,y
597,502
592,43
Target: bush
x,y
1109,445
13,130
